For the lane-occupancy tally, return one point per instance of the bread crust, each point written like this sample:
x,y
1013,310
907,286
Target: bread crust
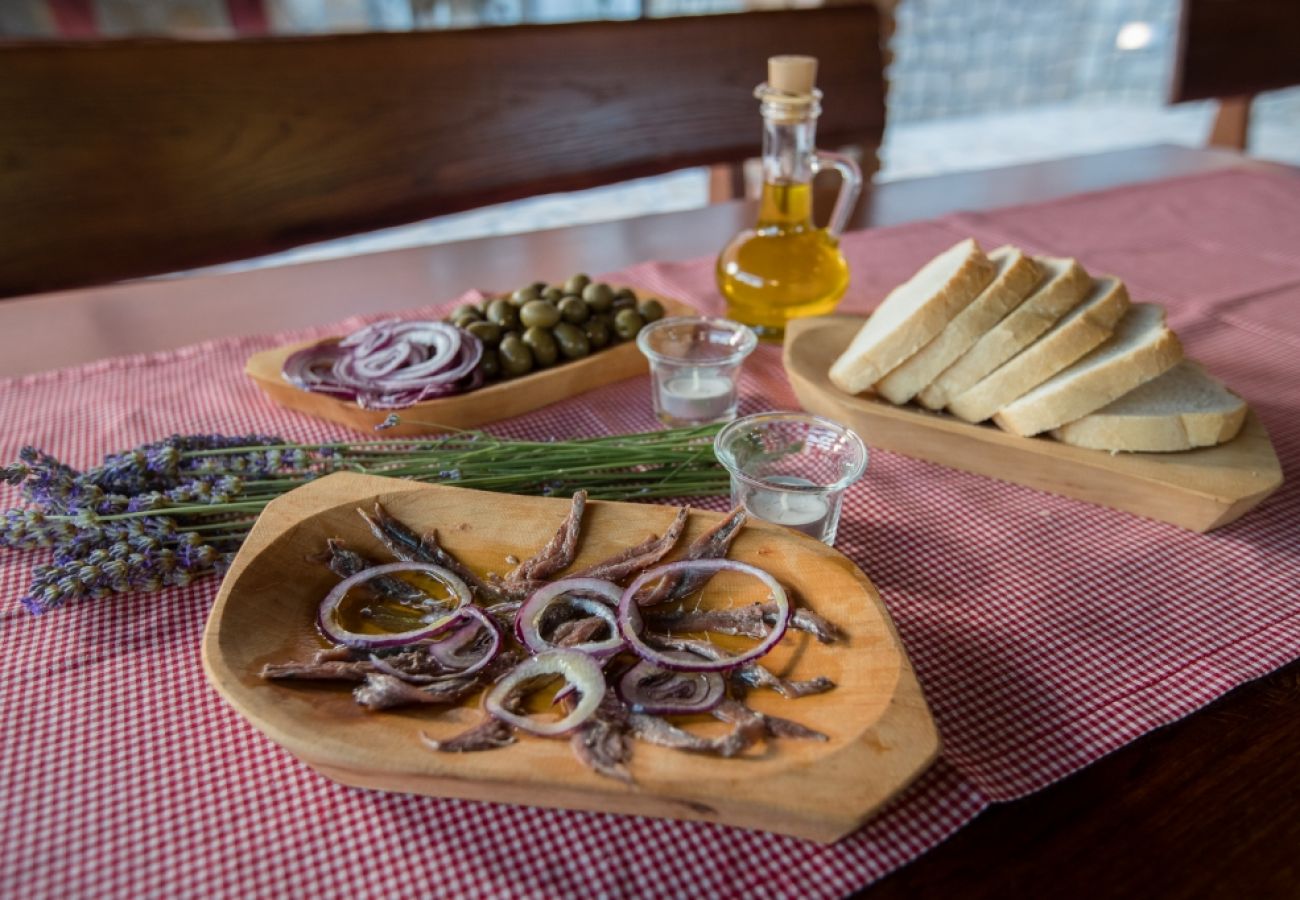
x,y
1021,327
1083,330
873,353
1090,390
1016,278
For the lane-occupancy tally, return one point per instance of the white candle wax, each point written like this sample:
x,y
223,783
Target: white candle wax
x,y
804,512
696,397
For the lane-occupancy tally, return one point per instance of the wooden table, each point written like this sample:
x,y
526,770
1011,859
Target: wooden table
x,y
1202,808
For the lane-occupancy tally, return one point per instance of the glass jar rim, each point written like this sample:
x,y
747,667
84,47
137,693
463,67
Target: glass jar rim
x,y
748,340
723,438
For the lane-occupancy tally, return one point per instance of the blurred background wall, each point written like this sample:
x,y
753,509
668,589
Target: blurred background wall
x,y
973,84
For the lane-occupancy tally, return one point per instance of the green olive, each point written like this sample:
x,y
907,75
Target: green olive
x,y
621,303
574,310
626,293
490,364
553,294
487,332
525,295
627,323
539,314
600,296
538,286
651,309
599,333
501,312
464,321
576,284
542,342
516,358
467,310
572,340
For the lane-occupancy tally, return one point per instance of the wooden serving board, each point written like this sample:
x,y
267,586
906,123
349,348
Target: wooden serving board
x,y
881,733
498,400
1197,489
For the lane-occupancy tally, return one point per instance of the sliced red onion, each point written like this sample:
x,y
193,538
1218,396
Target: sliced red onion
x,y
447,652
631,624
390,364
647,688
591,595
328,625
577,668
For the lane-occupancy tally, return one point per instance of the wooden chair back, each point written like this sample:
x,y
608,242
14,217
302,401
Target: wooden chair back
x,y
132,158
1231,50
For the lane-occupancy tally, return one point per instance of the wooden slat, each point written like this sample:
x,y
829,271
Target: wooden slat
x,y
134,158
1229,48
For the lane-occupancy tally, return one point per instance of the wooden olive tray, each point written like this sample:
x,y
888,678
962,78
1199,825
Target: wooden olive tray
x,y
1199,489
881,733
499,400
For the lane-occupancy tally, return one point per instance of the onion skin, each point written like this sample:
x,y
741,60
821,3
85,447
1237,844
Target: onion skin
x,y
339,635
631,624
578,669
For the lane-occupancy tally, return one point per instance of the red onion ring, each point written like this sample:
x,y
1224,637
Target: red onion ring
x,y
631,624
446,651
390,364
528,621
577,668
703,690
325,619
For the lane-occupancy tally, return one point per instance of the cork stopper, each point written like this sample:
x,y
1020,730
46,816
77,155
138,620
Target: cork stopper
x,y
792,74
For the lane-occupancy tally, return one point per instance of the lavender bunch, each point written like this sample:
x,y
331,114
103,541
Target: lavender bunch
x,y
172,511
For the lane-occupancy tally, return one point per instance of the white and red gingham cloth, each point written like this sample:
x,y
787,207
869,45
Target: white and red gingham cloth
x,y
1046,632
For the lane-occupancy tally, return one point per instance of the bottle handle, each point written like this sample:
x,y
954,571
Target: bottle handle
x,y
850,187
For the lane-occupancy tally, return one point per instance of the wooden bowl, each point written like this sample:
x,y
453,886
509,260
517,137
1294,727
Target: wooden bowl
x,y
499,400
1199,490
881,734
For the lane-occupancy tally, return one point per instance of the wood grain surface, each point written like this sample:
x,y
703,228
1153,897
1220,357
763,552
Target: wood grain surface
x,y
499,400
880,732
164,155
1197,489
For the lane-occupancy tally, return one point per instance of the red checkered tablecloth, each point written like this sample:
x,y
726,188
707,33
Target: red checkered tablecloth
x,y
1046,632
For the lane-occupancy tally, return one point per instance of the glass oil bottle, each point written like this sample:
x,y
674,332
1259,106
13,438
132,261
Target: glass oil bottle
x,y
786,267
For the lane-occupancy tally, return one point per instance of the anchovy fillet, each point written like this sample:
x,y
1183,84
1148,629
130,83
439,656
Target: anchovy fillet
x,y
713,544
603,744
634,560
486,735
559,550
773,726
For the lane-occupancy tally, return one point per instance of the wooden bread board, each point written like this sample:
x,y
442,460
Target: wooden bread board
x,y
498,400
1199,490
881,735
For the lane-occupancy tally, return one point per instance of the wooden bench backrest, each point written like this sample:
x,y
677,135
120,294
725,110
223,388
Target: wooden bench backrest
x,y
125,159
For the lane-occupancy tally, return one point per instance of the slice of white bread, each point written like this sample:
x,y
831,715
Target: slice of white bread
x,y
1064,285
1082,329
1184,408
912,314
1015,279
1142,348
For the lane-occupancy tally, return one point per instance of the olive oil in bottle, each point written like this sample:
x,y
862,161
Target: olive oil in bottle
x,y
785,267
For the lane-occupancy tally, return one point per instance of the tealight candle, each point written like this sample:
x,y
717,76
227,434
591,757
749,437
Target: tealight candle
x,y
694,367
698,397
802,512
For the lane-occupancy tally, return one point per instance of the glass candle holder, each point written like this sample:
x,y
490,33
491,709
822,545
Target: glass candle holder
x,y
694,367
792,469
